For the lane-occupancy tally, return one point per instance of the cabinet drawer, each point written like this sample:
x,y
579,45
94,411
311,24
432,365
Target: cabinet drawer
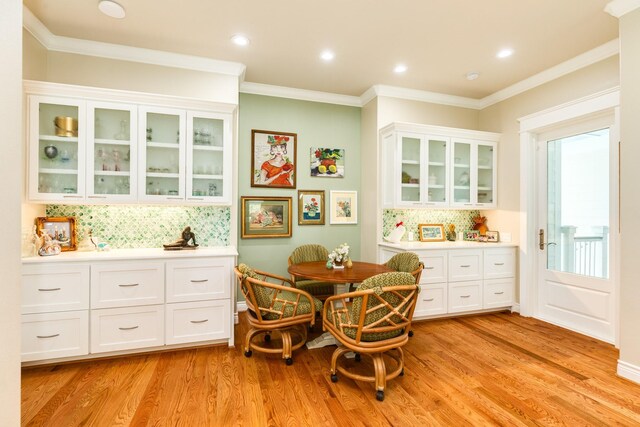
x,y
197,280
499,263
127,328
54,335
48,288
432,300
435,267
498,293
465,265
198,321
127,284
465,296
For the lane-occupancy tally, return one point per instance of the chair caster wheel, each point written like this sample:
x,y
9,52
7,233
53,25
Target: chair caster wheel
x,y
402,373
248,353
358,357
410,334
267,338
310,328
380,395
334,378
288,361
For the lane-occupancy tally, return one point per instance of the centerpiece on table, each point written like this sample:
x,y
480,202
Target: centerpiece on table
x,y
339,256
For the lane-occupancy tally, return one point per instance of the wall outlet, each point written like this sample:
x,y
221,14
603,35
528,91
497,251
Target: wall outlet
x,y
505,237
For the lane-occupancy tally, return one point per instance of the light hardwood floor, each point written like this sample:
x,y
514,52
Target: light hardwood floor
x,y
498,369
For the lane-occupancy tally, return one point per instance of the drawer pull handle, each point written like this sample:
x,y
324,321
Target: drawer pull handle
x,y
48,289
199,321
130,285
465,266
465,296
48,336
97,197
200,281
430,299
498,293
129,329
429,268
498,263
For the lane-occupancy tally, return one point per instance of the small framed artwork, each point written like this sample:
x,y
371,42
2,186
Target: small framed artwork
x,y
273,159
310,207
431,232
60,228
492,236
327,162
264,217
343,207
471,235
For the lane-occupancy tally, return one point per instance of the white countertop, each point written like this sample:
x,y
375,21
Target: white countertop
x,y
132,254
404,245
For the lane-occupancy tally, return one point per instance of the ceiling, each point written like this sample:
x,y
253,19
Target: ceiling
x,y
439,40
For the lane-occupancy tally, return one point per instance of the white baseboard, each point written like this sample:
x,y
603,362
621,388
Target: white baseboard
x,y
629,371
515,308
240,306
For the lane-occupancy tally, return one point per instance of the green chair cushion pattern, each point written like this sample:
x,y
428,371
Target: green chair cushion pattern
x,y
405,261
309,253
264,297
379,281
315,287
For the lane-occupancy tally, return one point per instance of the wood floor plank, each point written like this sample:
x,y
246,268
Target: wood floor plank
x,y
495,369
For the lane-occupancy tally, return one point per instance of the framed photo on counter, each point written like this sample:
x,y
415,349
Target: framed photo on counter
x,y
431,232
61,229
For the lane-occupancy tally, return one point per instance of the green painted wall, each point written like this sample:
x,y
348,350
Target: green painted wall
x,y
317,125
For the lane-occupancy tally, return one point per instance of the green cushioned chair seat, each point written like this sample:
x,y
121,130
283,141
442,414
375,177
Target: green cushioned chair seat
x,y
303,306
315,287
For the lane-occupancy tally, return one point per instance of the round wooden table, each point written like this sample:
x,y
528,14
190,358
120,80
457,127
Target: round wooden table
x,y
318,270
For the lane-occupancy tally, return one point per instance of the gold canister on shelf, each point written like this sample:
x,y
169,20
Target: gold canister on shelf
x,y
66,126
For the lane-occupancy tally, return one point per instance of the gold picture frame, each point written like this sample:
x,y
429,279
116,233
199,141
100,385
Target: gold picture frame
x,y
61,229
431,232
311,207
265,217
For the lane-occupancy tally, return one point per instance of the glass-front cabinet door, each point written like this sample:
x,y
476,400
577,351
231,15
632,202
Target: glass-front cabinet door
x,y
437,172
161,145
208,157
57,149
461,179
486,173
111,151
411,169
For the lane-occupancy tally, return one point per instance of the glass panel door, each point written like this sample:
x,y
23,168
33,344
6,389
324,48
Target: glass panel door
x,y
411,178
578,204
111,151
486,169
461,172
59,150
205,161
437,167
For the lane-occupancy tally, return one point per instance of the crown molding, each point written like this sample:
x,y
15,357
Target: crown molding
x,y
574,64
425,96
126,53
618,8
300,94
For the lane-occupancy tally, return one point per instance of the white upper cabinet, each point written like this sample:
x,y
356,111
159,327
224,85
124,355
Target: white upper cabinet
x,y
90,145
437,167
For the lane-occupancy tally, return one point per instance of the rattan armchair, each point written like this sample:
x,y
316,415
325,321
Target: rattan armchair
x,y
374,320
274,306
310,253
407,262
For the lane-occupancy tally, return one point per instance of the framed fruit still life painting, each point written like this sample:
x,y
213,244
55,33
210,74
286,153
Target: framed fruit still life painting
x,y
327,162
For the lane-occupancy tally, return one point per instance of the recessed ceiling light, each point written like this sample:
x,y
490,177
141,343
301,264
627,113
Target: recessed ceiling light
x,y
112,9
400,68
472,75
327,55
240,40
505,53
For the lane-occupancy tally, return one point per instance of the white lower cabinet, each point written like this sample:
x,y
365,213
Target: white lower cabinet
x,y
98,305
460,278
197,321
54,335
114,329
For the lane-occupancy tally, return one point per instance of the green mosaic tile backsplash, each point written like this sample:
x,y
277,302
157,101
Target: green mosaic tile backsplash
x,y
148,226
412,217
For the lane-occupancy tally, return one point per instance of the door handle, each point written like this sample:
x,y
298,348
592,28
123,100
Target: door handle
x,y
541,242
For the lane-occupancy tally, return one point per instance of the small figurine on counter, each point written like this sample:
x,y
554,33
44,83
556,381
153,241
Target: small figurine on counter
x,y
480,224
451,236
183,242
50,246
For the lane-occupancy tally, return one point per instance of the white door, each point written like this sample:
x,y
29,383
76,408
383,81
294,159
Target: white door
x,y
576,209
